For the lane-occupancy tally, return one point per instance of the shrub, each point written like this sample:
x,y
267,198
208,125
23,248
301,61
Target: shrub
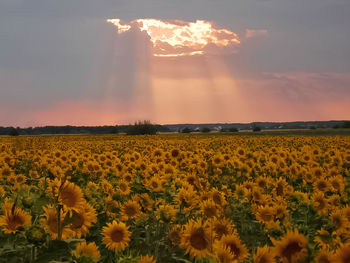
x,y
205,130
256,129
233,129
186,130
13,132
346,125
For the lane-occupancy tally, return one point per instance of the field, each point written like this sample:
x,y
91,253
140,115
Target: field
x,y
175,198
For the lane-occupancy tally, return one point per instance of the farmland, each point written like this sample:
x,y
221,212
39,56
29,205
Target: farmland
x,y
175,198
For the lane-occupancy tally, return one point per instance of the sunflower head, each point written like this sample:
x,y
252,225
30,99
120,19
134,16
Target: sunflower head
x,y
291,248
343,254
116,236
263,255
147,259
36,235
14,218
196,239
87,250
234,244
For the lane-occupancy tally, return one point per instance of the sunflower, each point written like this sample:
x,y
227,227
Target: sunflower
x,y
115,236
222,227
175,153
343,254
325,256
191,179
14,218
2,192
224,255
145,201
83,220
155,184
337,183
291,248
263,255
320,203
346,212
265,214
6,171
218,197
128,178
234,244
87,250
338,221
174,234
50,223
209,209
130,210
334,201
196,239
280,210
166,212
111,206
321,184
282,188
217,161
262,182
123,187
326,240
71,196
147,259
53,188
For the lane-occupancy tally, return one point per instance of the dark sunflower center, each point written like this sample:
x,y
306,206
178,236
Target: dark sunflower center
x,y
130,210
345,257
221,230
210,211
324,259
122,187
234,249
117,235
217,199
78,221
198,239
68,197
321,186
15,221
291,249
280,190
266,216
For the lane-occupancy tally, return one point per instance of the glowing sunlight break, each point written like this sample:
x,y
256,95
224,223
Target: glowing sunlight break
x,y
174,38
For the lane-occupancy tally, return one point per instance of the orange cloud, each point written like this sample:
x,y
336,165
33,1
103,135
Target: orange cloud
x,y
179,38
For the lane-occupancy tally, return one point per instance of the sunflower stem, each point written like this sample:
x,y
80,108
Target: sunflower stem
x,y
59,225
33,256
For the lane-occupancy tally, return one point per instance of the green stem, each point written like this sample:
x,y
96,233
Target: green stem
x,y
33,256
59,225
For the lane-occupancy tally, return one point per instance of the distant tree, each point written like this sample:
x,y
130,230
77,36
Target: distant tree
x,y
312,127
336,126
142,128
205,130
232,129
256,129
13,132
186,130
346,124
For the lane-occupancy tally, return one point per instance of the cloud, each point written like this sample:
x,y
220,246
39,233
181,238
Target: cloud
x,y
174,38
249,33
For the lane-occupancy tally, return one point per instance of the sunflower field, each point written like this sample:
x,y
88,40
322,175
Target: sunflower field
x,y
175,198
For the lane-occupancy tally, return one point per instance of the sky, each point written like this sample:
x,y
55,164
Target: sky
x,y
109,62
